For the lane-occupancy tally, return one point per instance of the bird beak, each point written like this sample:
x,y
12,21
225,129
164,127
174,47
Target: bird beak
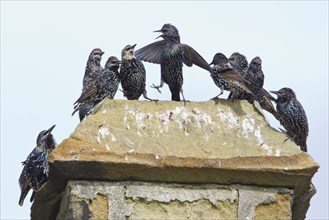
x,y
102,53
119,62
133,46
50,129
159,36
274,92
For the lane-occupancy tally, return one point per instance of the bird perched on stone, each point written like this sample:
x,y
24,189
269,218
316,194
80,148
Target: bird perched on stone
x,y
35,171
170,53
93,69
240,64
292,117
93,65
104,84
255,76
225,77
133,75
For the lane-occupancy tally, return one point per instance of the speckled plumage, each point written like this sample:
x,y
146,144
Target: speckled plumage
x,y
35,171
170,53
240,64
104,84
292,116
133,75
93,66
255,76
225,77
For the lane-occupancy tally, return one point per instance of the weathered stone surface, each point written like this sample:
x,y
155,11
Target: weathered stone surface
x,y
75,207
280,208
223,142
141,200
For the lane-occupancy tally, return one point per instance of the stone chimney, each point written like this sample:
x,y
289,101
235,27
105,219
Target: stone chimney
x,y
147,160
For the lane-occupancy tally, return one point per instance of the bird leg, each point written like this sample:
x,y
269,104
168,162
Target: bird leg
x,y
124,93
158,87
184,100
145,97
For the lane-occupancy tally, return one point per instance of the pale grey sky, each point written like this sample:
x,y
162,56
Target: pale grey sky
x,y
45,46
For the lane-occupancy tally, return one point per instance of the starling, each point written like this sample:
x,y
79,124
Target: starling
x,y
225,77
239,63
93,65
171,54
105,84
255,76
133,75
292,117
35,171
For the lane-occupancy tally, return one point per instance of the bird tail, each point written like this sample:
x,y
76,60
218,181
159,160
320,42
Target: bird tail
x,y
266,104
76,108
175,96
23,195
32,196
302,144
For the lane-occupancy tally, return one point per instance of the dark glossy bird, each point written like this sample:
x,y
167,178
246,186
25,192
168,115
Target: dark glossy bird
x,y
93,65
240,64
35,171
255,77
170,53
105,84
225,77
133,75
292,117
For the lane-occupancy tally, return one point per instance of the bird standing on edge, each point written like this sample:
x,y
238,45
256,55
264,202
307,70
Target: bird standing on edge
x,y
35,171
240,64
133,75
93,69
225,77
105,84
171,54
292,117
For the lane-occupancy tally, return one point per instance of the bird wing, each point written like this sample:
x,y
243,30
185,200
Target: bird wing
x,y
151,53
87,91
229,73
267,94
190,57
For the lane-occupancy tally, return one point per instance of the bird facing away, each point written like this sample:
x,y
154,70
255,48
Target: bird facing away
x,y
93,65
104,84
292,117
225,77
35,171
170,53
133,75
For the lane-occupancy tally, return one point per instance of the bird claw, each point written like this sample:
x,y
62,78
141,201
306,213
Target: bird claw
x,y
156,87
